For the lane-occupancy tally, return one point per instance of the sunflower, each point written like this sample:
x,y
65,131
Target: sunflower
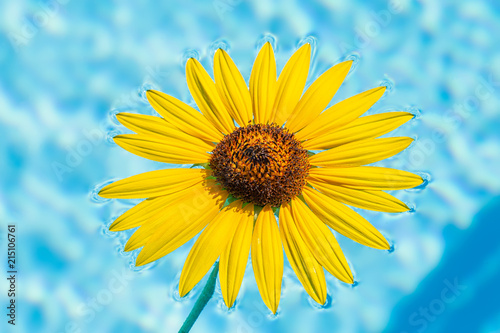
x,y
259,152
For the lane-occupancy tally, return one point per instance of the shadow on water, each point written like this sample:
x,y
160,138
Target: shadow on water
x,y
462,294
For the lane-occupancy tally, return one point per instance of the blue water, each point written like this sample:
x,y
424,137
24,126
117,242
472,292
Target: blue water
x,y
68,66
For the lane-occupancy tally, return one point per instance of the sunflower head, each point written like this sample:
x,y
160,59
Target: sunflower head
x,y
261,164
271,143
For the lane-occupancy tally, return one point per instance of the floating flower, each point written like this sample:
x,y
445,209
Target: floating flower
x,y
261,168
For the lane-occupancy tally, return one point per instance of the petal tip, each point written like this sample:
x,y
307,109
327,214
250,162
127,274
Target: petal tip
x,y
128,247
139,263
182,290
307,45
113,227
117,140
320,299
151,95
190,62
104,192
229,302
267,46
141,260
349,64
152,92
346,276
120,116
272,306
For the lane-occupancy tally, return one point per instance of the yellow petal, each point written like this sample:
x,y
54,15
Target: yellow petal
x,y
341,114
140,213
320,241
344,220
203,90
291,84
365,199
303,262
267,258
367,178
234,259
156,126
360,152
363,128
317,96
263,84
183,116
144,233
168,225
232,88
153,183
145,124
185,219
209,246
156,149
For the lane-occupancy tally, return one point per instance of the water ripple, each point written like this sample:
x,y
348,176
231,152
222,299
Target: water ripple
x,y
313,41
388,84
267,38
110,135
188,54
354,57
94,193
426,180
218,44
417,113
143,90
327,305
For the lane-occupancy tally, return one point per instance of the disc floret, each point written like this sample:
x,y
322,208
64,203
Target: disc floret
x,y
261,164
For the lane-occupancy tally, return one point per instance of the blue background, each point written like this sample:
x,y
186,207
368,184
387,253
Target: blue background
x,y
68,66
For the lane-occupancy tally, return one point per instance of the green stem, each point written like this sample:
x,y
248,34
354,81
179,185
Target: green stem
x,y
205,296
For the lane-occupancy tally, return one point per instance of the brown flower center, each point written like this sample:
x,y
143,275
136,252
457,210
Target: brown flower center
x,y
262,164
